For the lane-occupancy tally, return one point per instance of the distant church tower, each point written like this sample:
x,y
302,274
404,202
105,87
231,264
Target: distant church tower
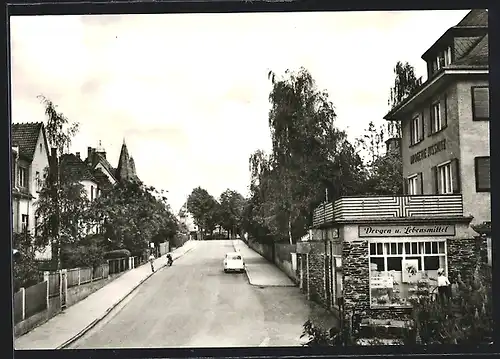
x,y
126,166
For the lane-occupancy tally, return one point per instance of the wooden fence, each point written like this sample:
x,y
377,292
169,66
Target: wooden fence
x,y
35,299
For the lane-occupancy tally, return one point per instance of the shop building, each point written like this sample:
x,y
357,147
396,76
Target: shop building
x,y
367,255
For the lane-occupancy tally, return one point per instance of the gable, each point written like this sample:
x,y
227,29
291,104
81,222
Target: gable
x,y
42,155
103,169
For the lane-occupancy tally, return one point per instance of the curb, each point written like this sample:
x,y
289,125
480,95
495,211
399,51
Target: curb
x,y
113,306
249,277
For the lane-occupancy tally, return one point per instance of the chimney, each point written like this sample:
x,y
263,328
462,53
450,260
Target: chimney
x,y
89,153
78,155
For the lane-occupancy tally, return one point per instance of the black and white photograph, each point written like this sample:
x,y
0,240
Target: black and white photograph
x,y
250,179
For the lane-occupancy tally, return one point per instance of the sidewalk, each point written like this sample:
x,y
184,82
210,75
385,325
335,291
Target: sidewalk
x,y
260,271
69,325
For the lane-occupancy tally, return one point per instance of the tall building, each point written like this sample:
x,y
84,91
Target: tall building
x,y
445,122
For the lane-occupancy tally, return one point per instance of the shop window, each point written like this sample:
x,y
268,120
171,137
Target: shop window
x,y
397,270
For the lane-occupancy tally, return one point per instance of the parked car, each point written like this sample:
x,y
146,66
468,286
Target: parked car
x,y
234,262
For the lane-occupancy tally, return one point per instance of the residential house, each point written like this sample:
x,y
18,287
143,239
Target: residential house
x,y
96,159
30,160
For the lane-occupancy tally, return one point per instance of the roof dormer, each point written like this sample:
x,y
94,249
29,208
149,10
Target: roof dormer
x,y
457,42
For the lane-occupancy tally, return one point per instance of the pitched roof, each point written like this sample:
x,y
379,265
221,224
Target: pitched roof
x,y
476,17
25,135
126,166
474,24
75,166
101,178
477,55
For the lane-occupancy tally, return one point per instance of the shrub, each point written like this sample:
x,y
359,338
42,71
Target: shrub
x,y
84,256
25,268
118,253
467,320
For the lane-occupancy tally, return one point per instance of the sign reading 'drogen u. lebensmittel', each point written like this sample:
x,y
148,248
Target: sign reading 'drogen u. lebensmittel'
x,y
420,230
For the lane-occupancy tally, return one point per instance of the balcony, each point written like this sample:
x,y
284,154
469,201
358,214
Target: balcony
x,y
386,207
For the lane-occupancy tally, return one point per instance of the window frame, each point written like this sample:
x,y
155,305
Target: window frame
x,y
22,177
436,121
448,165
24,224
386,243
476,173
413,181
473,106
37,181
416,133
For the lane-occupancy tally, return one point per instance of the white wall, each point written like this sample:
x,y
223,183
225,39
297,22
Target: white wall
x,y
39,164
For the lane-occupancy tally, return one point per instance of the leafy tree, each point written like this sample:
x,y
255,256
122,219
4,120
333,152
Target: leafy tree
x,y
405,83
133,215
231,210
383,172
372,144
25,270
303,163
62,208
56,226
204,209
386,177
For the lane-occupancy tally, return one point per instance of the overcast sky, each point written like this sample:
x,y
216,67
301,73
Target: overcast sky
x,y
189,92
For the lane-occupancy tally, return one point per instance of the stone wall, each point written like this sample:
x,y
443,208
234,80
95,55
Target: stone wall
x,y
356,277
463,254
317,277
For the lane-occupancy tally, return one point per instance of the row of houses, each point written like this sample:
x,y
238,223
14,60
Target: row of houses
x,y
31,159
367,255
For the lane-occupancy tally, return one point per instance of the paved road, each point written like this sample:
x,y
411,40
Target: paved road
x,y
195,304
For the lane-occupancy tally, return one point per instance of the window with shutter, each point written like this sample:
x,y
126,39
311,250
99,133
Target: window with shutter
x,y
420,183
436,180
480,103
482,169
455,176
444,122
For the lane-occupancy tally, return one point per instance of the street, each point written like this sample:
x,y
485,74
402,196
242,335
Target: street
x,y
195,304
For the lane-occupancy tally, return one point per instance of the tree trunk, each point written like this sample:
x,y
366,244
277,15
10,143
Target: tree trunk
x,y
290,230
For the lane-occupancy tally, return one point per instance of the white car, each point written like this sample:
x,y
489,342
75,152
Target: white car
x,y
233,262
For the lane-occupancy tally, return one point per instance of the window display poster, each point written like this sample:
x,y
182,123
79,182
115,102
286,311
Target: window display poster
x,y
381,282
410,270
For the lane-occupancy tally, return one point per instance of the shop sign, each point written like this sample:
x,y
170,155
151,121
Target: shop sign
x,y
381,282
428,151
419,230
